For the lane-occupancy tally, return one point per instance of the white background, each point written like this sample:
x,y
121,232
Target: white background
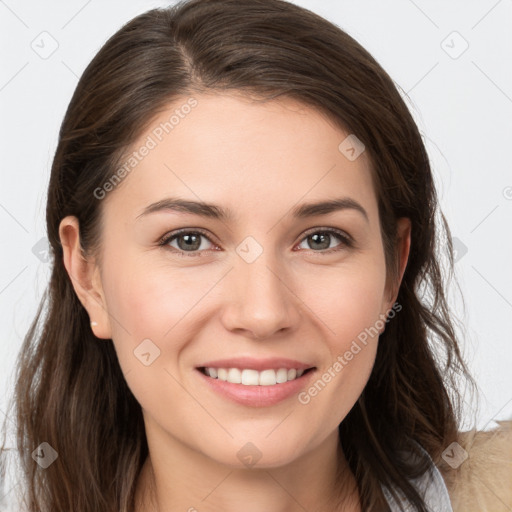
x,y
463,106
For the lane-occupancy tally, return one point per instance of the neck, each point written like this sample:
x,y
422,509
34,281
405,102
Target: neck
x,y
190,481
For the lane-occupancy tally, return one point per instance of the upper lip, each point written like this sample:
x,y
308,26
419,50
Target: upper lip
x,y
271,363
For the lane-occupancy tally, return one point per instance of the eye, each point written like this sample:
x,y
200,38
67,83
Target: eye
x,y
187,241
320,240
194,242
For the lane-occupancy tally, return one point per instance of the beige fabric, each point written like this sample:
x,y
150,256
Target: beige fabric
x,y
483,481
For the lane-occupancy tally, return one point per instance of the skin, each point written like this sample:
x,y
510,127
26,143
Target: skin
x,y
260,160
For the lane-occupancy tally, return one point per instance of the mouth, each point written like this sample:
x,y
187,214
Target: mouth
x,y
253,383
251,377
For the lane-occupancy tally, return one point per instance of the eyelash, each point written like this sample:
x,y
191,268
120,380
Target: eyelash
x,y
346,240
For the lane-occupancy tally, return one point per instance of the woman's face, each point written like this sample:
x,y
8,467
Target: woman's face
x,y
260,279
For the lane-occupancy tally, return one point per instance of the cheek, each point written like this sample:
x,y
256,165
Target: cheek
x,y
143,298
153,301
148,307
348,304
346,300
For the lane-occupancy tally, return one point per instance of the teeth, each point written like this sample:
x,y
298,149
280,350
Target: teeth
x,y
282,375
250,377
234,376
253,377
268,377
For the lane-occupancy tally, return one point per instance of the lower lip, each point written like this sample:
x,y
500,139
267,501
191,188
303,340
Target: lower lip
x,y
257,396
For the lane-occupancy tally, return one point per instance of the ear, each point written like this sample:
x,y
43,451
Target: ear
x,y
85,276
403,246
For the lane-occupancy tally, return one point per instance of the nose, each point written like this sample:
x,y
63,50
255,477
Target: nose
x,y
261,302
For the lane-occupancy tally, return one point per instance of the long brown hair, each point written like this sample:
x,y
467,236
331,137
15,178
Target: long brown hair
x,y
70,391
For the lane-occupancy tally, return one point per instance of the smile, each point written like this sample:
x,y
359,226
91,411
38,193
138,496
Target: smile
x,y
252,387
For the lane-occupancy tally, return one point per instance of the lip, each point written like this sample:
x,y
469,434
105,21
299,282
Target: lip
x,y
257,396
271,363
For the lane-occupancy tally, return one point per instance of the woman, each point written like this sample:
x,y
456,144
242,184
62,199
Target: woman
x,y
246,307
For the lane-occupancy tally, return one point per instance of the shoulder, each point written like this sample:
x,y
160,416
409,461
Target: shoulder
x,y
477,470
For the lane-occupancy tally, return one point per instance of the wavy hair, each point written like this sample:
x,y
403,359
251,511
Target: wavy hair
x,y
70,391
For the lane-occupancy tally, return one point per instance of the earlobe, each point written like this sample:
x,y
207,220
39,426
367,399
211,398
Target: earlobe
x,y
85,277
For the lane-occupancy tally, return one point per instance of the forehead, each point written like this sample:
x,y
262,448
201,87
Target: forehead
x,y
227,148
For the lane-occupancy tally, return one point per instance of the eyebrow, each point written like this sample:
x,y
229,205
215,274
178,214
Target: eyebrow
x,y
217,212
